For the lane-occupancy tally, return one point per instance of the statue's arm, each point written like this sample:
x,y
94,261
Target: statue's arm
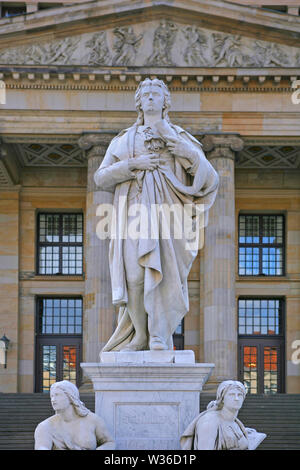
x,y
104,439
112,171
42,437
183,146
206,433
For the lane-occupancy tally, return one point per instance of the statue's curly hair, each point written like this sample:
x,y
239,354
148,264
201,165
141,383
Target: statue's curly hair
x,y
72,393
167,100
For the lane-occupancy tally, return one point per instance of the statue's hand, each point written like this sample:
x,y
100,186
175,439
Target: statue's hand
x,y
148,161
178,147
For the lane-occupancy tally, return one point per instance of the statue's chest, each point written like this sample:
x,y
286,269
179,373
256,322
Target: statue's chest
x,y
78,434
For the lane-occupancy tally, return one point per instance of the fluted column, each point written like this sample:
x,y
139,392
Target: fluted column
x,y
99,314
218,289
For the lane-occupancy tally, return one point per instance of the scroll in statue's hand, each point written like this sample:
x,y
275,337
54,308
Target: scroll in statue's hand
x,y
144,162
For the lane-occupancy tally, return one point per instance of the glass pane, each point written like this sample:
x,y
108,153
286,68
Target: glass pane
x,y
49,367
260,317
249,229
69,363
59,316
272,229
49,228
72,260
72,228
250,368
272,261
249,261
270,370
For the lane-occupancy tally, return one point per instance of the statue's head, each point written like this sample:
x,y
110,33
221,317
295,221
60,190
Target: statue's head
x,y
64,394
161,99
230,393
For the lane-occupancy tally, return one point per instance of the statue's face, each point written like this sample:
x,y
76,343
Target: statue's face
x,y
59,400
152,99
233,398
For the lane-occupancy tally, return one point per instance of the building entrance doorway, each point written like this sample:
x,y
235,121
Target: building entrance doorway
x,y
261,345
58,342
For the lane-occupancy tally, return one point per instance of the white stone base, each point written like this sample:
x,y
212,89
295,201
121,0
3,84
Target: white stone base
x,y
146,404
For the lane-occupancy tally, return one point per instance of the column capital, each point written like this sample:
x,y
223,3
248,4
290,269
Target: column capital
x,y
94,144
222,145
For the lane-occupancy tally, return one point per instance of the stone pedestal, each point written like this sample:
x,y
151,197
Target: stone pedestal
x,y
147,398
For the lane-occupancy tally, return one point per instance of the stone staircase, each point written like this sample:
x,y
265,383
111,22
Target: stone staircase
x,y
277,415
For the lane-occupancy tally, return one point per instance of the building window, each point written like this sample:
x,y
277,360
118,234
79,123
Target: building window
x,y
261,245
15,9
276,8
60,244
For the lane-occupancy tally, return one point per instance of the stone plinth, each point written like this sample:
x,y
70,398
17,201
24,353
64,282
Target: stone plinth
x,y
145,404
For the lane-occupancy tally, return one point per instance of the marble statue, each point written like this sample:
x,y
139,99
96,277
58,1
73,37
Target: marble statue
x,y
155,164
218,428
73,427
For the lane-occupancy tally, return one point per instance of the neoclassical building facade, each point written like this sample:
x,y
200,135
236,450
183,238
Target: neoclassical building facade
x,y
68,77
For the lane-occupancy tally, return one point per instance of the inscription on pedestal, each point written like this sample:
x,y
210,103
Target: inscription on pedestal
x,y
138,425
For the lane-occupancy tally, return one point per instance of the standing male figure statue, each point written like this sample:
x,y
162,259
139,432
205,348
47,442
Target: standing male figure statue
x,y
155,164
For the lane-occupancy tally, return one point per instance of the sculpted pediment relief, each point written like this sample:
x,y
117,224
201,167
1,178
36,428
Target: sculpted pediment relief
x,y
158,44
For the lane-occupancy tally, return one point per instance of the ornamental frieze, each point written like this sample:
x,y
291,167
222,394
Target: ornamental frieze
x,y
163,43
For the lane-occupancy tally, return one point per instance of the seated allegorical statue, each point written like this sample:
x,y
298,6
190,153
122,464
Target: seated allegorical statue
x,y
73,427
218,428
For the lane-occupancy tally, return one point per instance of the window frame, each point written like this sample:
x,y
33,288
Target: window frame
x,y
261,245
59,244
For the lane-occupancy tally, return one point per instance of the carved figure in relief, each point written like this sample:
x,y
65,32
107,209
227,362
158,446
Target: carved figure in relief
x,y
218,428
227,49
126,45
269,54
99,54
164,38
73,427
194,52
152,164
54,52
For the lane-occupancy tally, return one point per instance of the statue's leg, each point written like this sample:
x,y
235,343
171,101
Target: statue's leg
x,y
135,288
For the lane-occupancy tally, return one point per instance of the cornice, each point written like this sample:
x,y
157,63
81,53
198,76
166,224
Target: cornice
x,y
63,78
239,19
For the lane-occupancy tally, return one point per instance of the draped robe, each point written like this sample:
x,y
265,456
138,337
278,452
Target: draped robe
x,y
191,180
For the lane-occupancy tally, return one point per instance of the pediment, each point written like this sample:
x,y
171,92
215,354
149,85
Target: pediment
x,y
156,43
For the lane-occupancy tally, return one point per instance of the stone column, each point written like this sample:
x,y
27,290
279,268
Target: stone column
x,y
218,289
99,314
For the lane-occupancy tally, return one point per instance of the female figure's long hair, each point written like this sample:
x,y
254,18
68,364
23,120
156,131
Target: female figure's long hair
x,y
72,393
